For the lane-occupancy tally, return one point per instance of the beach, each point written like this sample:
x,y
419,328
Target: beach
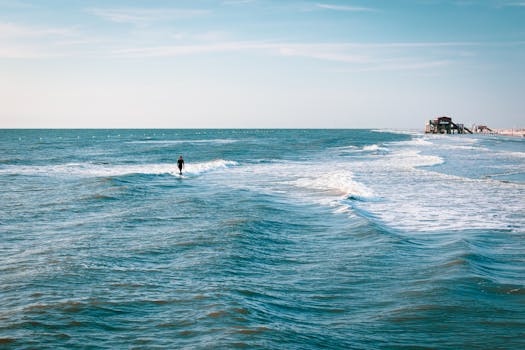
x,y
520,132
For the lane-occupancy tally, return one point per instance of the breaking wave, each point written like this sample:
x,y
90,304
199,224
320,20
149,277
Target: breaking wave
x,y
337,183
177,142
98,170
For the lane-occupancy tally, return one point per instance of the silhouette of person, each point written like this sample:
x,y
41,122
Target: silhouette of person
x,y
180,164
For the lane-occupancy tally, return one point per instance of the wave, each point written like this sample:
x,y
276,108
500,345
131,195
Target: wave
x,y
337,183
417,141
422,200
464,147
513,154
199,168
419,199
344,148
396,131
375,148
369,148
104,170
176,142
411,159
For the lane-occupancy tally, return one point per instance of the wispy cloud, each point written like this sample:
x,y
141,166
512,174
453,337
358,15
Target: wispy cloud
x,y
327,52
16,4
143,16
237,2
344,8
14,51
18,41
29,42
179,50
404,66
10,30
341,56
351,57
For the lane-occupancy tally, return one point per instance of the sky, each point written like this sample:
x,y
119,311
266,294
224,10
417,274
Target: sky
x,y
261,63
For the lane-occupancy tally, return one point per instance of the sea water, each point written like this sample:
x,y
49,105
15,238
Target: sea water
x,y
270,239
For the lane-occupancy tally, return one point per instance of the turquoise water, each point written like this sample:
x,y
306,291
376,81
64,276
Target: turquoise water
x,y
271,239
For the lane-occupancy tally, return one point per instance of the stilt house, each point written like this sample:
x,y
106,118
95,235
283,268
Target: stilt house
x,y
445,125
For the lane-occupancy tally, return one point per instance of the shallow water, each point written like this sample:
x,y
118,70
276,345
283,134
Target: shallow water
x,y
271,239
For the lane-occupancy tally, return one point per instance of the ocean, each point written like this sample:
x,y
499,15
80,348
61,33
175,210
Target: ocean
x,y
271,239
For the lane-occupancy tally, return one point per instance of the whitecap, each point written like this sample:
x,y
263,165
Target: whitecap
x,y
337,183
418,141
101,170
199,168
177,142
375,148
397,131
371,148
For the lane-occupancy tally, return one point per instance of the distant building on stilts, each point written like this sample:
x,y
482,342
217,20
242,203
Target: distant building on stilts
x,y
445,125
482,129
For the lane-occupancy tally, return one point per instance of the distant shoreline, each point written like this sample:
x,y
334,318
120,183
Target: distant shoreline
x,y
510,132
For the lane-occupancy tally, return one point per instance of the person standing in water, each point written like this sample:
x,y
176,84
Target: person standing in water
x,y
180,164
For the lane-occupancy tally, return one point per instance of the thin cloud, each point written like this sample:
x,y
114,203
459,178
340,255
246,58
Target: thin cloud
x,y
16,4
327,52
403,66
344,8
34,52
179,50
349,57
29,42
237,2
11,30
53,42
142,16
367,56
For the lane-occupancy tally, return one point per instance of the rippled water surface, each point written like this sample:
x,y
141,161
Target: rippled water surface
x,y
271,239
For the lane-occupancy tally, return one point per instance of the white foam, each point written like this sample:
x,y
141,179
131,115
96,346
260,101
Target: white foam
x,y
393,189
199,168
513,154
368,148
415,199
101,170
416,142
373,148
427,201
412,159
397,131
464,147
177,142
344,148
337,183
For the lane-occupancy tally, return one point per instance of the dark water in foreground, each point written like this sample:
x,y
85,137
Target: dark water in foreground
x,y
272,239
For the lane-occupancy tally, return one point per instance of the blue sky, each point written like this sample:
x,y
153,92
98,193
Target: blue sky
x,y
261,63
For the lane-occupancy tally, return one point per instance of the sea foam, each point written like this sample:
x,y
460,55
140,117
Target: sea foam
x,y
98,170
337,183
